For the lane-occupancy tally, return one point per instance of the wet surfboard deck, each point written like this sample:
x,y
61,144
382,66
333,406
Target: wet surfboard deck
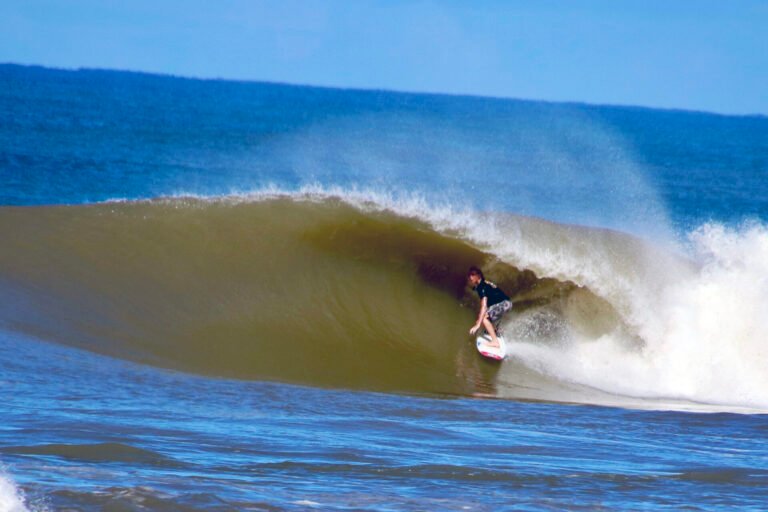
x,y
497,353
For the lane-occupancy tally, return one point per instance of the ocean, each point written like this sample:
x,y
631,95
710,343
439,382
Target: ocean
x,y
220,295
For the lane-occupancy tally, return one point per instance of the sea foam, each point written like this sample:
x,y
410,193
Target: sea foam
x,y
11,499
701,329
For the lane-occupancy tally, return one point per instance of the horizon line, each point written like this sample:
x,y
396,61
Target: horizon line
x,y
161,74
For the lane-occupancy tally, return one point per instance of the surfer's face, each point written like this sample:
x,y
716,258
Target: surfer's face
x,y
473,279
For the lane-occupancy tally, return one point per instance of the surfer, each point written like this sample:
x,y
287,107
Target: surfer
x,y
494,303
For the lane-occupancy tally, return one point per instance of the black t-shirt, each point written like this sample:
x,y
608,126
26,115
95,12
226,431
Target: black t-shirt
x,y
490,290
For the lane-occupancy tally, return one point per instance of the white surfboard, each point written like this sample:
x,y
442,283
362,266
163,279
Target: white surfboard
x,y
497,353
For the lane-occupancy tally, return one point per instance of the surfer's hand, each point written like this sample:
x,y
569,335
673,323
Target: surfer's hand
x,y
474,329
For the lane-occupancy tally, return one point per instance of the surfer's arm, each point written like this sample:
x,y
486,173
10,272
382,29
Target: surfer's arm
x,y
481,316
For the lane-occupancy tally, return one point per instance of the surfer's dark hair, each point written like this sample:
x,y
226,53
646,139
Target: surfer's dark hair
x,y
475,271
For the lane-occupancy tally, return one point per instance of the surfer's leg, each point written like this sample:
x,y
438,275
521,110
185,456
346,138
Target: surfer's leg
x,y
491,331
492,321
496,312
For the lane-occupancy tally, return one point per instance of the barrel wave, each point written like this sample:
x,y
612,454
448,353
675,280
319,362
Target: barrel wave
x,y
337,289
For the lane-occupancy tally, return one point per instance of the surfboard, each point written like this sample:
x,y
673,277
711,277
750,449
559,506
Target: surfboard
x,y
497,353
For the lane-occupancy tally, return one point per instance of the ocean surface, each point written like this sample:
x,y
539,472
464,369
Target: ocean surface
x,y
222,295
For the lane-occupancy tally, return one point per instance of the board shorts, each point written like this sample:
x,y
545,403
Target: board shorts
x,y
496,311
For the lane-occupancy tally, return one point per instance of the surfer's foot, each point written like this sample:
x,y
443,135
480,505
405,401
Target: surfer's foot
x,y
493,344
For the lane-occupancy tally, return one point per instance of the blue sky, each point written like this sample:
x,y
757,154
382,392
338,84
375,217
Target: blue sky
x,y
700,55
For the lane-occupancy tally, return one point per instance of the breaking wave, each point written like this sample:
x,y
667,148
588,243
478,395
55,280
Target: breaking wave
x,y
363,290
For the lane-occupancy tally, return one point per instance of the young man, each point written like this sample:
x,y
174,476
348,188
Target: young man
x,y
493,304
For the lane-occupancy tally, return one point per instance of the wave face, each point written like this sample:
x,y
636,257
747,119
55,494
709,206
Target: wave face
x,y
360,291
303,291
